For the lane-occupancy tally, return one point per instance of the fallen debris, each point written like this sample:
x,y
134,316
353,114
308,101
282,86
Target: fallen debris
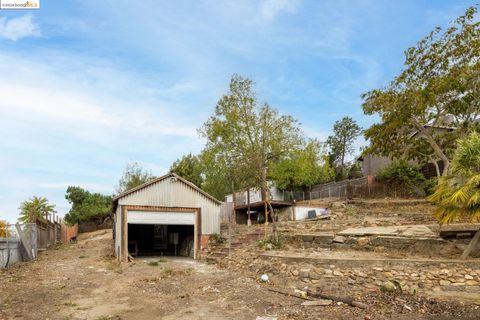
x,y
288,294
320,302
348,301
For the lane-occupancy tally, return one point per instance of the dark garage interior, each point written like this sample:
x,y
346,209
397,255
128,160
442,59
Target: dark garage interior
x,y
160,240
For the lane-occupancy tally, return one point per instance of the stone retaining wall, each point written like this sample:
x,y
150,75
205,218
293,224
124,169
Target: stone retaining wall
x,y
411,276
421,246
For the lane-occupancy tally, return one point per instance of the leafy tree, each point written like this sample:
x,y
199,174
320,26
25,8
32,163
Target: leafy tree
x,y
37,208
458,194
355,171
434,100
305,168
218,175
345,132
247,139
86,206
3,229
190,168
133,176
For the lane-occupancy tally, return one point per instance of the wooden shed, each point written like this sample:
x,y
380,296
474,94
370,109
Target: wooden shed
x,y
165,216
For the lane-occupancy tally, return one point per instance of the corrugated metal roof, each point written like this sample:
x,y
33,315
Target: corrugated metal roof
x,y
168,175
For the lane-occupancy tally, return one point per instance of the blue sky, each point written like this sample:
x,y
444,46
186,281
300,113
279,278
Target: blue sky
x,y
86,86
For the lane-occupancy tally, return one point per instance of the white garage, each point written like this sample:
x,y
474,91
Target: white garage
x,y
166,216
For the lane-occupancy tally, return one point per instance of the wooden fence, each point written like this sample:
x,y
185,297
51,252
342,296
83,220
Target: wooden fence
x,y
53,230
365,187
48,233
68,233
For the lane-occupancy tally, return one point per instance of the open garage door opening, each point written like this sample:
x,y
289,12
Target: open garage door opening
x,y
161,233
161,240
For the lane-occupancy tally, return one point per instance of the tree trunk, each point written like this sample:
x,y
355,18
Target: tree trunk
x,y
436,148
274,223
471,245
234,198
437,168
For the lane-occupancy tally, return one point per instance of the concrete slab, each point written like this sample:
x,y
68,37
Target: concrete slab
x,y
404,231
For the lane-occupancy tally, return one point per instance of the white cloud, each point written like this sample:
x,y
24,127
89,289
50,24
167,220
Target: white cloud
x,y
92,187
36,93
17,28
270,8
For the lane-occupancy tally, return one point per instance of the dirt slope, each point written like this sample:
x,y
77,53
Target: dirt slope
x,y
83,281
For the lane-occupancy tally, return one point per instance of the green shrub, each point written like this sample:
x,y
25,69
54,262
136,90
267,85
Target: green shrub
x,y
216,239
271,243
401,175
430,185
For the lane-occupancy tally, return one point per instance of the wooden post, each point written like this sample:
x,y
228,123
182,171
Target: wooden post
x,y
54,229
249,221
471,245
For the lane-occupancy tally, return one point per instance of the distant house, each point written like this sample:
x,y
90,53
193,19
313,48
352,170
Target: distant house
x,y
251,203
165,216
372,164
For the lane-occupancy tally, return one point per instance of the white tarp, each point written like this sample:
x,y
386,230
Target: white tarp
x,y
156,217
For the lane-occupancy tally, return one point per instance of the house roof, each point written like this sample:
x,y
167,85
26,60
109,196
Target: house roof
x,y
433,127
168,175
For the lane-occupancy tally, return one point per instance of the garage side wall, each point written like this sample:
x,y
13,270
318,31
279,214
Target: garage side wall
x,y
118,229
175,193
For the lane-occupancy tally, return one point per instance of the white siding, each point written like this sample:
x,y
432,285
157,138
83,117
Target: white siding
x,y
256,195
175,193
157,217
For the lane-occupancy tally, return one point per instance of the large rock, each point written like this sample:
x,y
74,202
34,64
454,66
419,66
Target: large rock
x,y
304,273
407,231
339,239
388,286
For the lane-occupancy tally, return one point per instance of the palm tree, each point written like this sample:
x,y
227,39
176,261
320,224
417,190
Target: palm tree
x,y
35,209
458,194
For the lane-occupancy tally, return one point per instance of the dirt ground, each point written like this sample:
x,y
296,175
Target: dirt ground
x,y
83,281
